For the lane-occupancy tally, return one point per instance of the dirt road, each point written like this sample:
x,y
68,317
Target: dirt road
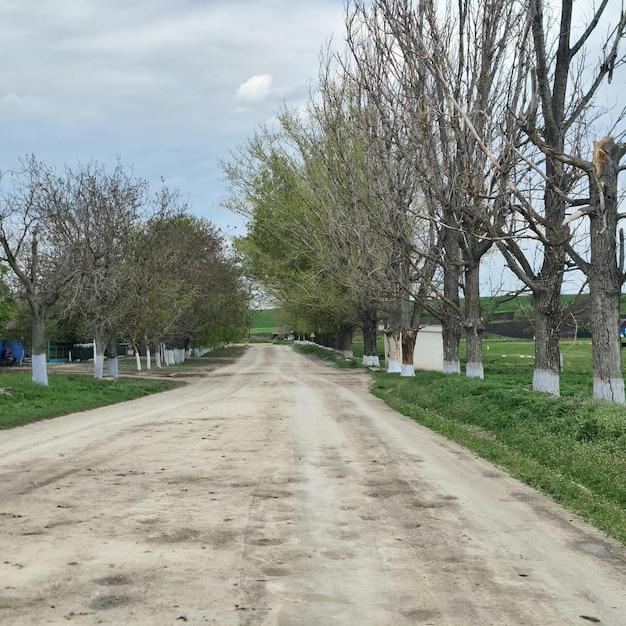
x,y
275,490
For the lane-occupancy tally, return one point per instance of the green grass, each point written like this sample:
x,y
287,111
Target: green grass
x,y
572,448
26,401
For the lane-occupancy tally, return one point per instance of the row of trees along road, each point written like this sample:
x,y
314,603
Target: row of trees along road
x,y
119,263
442,132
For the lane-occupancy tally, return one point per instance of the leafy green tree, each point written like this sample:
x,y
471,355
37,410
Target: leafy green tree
x,y
206,288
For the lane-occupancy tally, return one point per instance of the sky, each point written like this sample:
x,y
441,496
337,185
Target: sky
x,y
167,86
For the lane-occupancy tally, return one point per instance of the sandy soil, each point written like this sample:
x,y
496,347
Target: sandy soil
x,y
276,490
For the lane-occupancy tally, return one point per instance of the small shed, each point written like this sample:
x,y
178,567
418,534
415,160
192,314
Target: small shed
x,y
428,353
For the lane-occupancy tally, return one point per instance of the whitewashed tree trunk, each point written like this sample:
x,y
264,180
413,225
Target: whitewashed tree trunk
x,y
408,337
112,360
157,356
98,361
40,371
407,370
98,366
546,374
39,346
137,360
371,361
98,358
148,358
370,352
474,370
546,381
113,366
394,352
604,273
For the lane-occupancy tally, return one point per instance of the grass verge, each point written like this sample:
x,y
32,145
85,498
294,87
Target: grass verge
x,y
24,401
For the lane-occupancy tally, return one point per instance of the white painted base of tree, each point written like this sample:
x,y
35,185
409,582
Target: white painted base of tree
x,y
157,358
148,359
371,361
40,369
546,381
474,370
611,389
451,367
394,367
98,366
113,365
346,354
138,360
407,370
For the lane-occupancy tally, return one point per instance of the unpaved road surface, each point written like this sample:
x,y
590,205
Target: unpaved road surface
x,y
275,490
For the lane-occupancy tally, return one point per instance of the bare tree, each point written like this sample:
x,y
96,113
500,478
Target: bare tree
x,y
563,88
39,265
430,60
94,220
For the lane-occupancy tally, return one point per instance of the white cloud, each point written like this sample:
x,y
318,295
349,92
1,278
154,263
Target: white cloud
x,y
255,89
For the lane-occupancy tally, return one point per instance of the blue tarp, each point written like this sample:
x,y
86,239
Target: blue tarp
x,y
18,348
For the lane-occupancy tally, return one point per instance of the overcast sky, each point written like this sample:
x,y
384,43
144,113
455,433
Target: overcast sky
x,y
168,85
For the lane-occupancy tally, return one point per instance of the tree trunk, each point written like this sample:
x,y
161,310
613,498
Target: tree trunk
x,y
474,325
112,360
39,346
409,335
343,340
370,350
393,351
604,274
100,341
547,309
608,381
552,78
397,320
451,320
548,284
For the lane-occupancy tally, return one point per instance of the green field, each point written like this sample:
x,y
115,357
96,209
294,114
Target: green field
x,y
265,322
508,318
